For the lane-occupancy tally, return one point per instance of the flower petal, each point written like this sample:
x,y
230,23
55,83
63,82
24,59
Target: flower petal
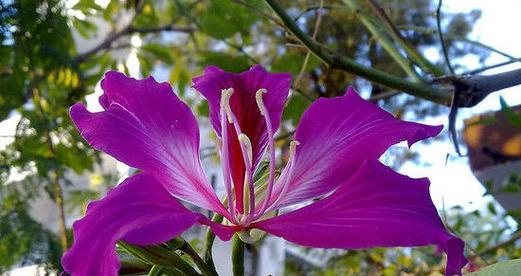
x,y
139,211
376,207
336,135
244,106
147,127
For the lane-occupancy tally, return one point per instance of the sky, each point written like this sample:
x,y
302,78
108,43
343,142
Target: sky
x,y
452,183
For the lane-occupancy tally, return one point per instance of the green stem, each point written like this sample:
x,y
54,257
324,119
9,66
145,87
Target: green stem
x,y
210,237
205,269
157,255
237,256
420,90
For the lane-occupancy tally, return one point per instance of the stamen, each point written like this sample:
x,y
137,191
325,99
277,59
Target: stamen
x,y
225,103
292,149
260,102
247,155
243,138
291,160
248,189
225,98
271,149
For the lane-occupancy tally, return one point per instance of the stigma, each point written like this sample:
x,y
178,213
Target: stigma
x,y
225,103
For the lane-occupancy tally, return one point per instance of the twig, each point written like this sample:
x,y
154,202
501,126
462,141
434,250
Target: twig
x,y
260,12
385,95
516,236
106,44
419,59
313,8
308,54
383,39
480,70
442,40
240,49
335,61
429,31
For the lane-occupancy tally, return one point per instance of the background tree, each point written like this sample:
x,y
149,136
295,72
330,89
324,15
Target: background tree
x,y
326,45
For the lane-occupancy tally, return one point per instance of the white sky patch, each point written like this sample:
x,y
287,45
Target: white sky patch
x,y
454,182
7,130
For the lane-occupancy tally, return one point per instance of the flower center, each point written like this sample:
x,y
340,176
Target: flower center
x,y
251,210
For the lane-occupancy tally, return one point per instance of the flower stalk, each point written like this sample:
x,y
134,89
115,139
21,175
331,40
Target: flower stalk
x,y
210,237
238,256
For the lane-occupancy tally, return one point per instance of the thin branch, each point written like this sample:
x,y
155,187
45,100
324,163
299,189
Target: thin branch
x,y
260,12
383,39
412,52
308,54
335,61
53,174
382,96
106,44
515,237
425,30
314,8
442,40
480,70
241,50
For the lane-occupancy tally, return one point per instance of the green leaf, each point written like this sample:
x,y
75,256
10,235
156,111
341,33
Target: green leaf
x,y
224,61
224,18
294,108
85,28
512,117
159,52
292,62
507,268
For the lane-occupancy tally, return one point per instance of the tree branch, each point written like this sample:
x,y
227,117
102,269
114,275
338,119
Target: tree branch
x,y
516,236
442,40
105,44
473,90
412,52
384,39
335,61
477,71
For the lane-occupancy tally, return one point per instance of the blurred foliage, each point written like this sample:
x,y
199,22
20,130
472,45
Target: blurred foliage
x,y
54,52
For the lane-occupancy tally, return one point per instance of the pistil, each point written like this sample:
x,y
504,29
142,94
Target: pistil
x,y
247,154
225,120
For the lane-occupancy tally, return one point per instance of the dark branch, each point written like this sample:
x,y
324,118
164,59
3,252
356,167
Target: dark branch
x,y
442,40
474,89
106,44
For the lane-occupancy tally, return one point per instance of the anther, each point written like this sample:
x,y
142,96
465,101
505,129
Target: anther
x,y
225,103
293,149
260,102
243,138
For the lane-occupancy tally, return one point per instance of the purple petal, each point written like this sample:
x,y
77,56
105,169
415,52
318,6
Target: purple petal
x,y
336,135
245,108
139,211
376,207
147,127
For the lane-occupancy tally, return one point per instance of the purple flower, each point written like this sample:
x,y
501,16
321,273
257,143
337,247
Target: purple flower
x,y
333,158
